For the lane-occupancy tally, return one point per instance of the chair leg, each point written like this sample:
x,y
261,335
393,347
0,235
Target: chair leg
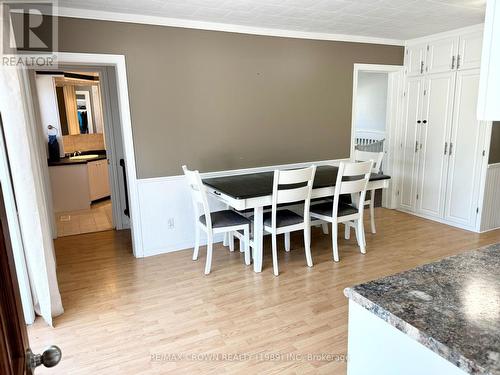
x,y
307,245
324,227
361,236
242,245
210,244
275,254
196,242
287,241
231,241
372,211
347,231
335,245
246,243
225,241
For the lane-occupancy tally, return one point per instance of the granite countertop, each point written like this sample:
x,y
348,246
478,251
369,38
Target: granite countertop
x,y
452,307
67,161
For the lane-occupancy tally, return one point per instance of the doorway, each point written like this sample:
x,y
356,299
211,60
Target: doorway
x,y
78,110
376,113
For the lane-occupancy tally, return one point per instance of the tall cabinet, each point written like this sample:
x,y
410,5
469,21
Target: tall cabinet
x,y
442,142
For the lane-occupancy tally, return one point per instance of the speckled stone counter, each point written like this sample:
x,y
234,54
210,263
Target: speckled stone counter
x,y
452,307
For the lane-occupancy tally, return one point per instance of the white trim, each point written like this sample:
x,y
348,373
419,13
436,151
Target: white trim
x,y
494,166
445,34
235,172
372,134
118,61
389,196
215,26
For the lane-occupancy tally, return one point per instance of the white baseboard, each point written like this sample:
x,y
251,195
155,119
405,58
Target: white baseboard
x,y
438,220
167,198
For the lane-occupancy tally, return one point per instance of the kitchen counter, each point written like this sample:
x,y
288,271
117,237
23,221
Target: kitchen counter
x,y
452,307
67,161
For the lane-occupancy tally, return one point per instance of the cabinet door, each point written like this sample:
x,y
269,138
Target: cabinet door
x,y
469,51
415,59
441,55
465,153
435,128
98,179
409,139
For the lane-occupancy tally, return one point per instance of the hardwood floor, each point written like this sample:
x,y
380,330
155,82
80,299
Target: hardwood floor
x,y
120,310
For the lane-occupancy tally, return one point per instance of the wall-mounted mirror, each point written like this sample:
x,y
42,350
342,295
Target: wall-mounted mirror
x,y
79,104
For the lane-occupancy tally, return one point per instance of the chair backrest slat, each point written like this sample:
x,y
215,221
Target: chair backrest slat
x,y
292,195
376,157
351,187
198,195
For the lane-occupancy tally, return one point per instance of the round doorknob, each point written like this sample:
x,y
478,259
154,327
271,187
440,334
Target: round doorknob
x,y
51,356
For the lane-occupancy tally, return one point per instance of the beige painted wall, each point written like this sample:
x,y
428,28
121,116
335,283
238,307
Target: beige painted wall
x,y
215,100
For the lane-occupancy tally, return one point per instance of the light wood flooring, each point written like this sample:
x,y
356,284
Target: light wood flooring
x,y
97,218
121,310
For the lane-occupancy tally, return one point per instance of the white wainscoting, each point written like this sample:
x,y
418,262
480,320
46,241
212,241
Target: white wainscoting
x,y
167,198
490,218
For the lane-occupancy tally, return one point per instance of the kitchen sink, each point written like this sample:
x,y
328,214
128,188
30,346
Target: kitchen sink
x,y
84,157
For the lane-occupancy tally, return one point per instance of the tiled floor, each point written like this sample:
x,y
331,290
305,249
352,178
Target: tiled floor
x,y
98,218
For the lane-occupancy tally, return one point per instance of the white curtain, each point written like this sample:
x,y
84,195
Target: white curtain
x,y
31,193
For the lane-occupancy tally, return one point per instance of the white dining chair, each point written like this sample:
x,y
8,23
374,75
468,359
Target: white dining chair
x,y
376,157
214,222
352,178
288,187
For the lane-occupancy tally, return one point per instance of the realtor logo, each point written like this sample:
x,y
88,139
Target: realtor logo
x,y
29,33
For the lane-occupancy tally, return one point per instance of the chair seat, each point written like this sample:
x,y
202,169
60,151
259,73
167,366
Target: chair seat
x,y
325,209
225,218
284,218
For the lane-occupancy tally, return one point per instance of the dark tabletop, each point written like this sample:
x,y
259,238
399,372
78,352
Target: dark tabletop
x,y
260,184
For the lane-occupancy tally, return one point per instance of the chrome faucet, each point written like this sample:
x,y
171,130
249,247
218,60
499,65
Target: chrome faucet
x,y
77,153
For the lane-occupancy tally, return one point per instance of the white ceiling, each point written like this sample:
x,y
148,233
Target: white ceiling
x,y
394,19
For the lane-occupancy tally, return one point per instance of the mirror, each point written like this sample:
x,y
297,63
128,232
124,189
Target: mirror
x,y
79,105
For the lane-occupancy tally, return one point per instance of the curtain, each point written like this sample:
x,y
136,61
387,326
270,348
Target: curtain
x,y
27,172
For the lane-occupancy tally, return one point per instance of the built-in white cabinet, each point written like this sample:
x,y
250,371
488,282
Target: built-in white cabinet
x,y
98,179
444,54
465,153
489,91
442,142
441,55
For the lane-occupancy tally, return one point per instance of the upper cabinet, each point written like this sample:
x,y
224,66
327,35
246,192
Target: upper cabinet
x,y
440,55
469,50
489,89
415,59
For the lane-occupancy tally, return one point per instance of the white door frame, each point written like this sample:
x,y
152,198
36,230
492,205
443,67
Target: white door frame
x,y
118,62
393,120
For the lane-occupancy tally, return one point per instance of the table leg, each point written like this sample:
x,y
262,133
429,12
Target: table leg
x,y
258,238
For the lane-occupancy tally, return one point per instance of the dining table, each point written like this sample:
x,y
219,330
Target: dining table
x,y
253,191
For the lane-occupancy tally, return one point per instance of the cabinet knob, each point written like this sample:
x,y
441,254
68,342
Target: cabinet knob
x,y
425,121
418,121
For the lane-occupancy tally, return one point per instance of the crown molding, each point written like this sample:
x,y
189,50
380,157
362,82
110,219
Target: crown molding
x,y
213,26
445,34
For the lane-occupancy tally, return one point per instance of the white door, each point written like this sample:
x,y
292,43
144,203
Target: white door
x,y
415,59
441,55
465,153
409,142
435,128
469,52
